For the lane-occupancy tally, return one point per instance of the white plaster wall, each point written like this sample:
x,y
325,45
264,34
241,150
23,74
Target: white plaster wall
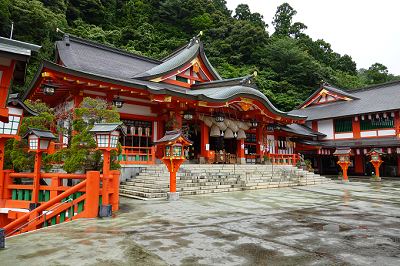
x,y
330,98
366,134
14,111
95,93
344,136
326,127
322,99
387,132
136,110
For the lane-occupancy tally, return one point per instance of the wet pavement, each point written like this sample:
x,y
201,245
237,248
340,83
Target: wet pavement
x,y
331,224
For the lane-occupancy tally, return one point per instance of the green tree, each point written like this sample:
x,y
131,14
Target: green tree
x,y
82,156
283,22
242,12
16,155
377,73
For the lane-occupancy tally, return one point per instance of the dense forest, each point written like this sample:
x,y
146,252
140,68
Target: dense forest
x,y
290,64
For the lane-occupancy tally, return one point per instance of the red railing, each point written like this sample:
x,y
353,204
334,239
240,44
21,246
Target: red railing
x,y
86,197
137,155
283,159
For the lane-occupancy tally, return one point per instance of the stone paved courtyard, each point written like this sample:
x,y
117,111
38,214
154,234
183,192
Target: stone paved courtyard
x,y
331,224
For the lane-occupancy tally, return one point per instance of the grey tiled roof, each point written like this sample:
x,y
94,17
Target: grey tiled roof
x,y
14,100
353,143
107,127
172,136
342,150
41,133
174,62
17,47
301,130
373,99
100,59
178,58
221,94
216,95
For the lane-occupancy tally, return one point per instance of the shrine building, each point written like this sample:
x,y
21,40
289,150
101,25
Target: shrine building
x,y
230,117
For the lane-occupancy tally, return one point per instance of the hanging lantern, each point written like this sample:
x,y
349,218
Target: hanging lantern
x,y
392,114
219,117
377,116
140,131
389,150
369,117
117,102
133,130
398,150
362,117
384,115
187,115
356,118
222,133
49,88
107,135
147,131
358,151
365,151
255,123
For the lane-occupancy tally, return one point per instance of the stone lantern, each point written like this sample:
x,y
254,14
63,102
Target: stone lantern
x,y
173,142
107,135
343,155
376,160
38,141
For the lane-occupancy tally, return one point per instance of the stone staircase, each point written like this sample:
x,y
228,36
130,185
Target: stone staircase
x,y
192,179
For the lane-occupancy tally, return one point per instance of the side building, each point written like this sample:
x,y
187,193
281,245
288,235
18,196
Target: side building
x,y
362,119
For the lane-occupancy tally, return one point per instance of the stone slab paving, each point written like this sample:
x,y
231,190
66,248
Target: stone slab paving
x,y
329,224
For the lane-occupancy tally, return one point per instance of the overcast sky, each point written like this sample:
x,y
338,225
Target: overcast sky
x,y
368,31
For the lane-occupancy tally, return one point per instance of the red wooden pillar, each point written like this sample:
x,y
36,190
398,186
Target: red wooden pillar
x,y
356,129
2,181
358,163
259,139
36,177
205,135
240,152
179,119
106,179
398,161
92,194
114,197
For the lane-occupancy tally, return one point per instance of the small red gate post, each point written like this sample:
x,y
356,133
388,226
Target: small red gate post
x,y
173,142
376,160
344,161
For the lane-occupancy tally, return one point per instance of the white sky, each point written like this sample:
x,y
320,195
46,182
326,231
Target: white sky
x,y
368,31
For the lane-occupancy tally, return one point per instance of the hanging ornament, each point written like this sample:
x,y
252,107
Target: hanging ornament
x,y
140,131
133,130
147,131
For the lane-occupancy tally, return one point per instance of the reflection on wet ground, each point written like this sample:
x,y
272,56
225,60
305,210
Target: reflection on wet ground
x,y
332,224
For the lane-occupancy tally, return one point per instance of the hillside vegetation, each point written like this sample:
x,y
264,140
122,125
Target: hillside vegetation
x,y
290,64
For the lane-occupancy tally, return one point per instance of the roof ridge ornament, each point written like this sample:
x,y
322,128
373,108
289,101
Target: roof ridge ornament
x,y
195,40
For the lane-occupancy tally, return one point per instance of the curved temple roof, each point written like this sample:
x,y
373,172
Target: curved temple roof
x,y
91,60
